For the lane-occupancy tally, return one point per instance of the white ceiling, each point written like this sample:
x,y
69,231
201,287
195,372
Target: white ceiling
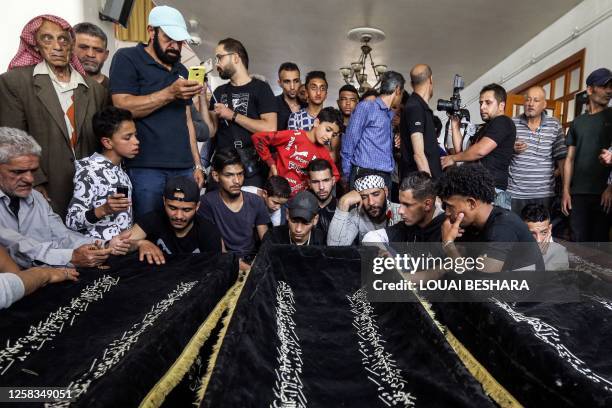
x,y
467,37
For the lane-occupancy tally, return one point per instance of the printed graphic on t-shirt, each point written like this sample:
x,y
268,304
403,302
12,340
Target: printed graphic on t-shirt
x,y
240,102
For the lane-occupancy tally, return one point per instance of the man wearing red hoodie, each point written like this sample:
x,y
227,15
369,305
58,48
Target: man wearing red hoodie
x,y
296,148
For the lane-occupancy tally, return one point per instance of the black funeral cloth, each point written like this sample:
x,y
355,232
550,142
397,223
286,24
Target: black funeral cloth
x,y
113,334
304,334
544,354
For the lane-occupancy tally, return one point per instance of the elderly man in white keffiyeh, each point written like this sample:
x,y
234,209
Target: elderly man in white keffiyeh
x,y
364,209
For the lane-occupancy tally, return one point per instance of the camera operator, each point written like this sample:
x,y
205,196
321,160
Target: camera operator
x,y
419,145
493,144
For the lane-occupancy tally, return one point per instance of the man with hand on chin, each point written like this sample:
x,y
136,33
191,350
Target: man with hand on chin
x,y
467,193
362,210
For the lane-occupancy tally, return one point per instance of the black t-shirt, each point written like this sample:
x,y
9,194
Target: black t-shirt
x,y
418,117
284,111
503,227
502,131
204,236
251,100
280,235
432,232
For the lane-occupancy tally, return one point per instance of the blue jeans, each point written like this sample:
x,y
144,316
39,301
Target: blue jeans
x,y
148,187
503,199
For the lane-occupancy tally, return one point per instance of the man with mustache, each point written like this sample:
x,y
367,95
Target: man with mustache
x,y
288,101
362,210
178,229
539,146
91,49
321,183
241,107
422,219
47,93
29,229
238,214
149,81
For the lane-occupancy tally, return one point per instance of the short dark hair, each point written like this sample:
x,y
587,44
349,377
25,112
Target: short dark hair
x,y
107,121
225,157
331,115
319,164
314,75
389,81
288,66
468,180
233,45
369,92
421,185
498,90
92,30
348,88
535,213
277,186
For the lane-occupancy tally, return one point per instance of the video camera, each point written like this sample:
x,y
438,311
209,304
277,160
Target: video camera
x,y
453,106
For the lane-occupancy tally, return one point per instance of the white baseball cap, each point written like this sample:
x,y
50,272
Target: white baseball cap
x,y
171,21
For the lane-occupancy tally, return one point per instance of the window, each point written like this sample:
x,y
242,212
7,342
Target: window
x,y
561,83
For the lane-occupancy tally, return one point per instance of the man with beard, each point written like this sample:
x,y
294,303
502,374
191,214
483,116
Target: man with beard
x,y
421,218
362,210
149,81
587,196
47,93
321,183
241,107
492,145
288,102
238,214
178,229
91,49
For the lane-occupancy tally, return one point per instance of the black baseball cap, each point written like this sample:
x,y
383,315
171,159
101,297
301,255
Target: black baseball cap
x,y
182,184
304,205
599,77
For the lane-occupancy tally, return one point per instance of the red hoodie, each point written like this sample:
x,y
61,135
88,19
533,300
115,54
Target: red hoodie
x,y
295,151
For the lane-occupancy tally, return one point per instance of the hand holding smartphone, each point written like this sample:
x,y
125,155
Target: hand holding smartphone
x,y
198,74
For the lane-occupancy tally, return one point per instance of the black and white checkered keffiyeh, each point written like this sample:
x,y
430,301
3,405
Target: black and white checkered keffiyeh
x,y
371,181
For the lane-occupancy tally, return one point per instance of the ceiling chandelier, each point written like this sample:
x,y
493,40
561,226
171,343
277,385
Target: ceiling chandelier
x,y
356,71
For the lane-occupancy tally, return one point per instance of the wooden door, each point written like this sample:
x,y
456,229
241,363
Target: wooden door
x,y
514,106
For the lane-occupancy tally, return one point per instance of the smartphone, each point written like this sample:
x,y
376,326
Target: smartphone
x,y
198,74
123,190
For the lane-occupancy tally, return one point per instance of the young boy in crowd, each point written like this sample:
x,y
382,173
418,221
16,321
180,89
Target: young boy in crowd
x,y
275,193
101,205
537,218
296,148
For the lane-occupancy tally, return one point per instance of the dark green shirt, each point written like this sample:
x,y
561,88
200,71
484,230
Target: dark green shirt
x,y
590,134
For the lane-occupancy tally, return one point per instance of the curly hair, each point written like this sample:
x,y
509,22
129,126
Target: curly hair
x,y
468,180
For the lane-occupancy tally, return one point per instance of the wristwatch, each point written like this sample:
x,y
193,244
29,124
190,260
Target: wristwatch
x,y
234,116
199,167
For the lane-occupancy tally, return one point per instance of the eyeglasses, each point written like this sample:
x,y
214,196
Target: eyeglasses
x,y
219,57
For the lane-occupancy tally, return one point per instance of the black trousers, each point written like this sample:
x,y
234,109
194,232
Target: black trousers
x,y
588,222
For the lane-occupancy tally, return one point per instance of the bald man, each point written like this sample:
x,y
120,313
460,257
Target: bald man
x,y
539,149
419,145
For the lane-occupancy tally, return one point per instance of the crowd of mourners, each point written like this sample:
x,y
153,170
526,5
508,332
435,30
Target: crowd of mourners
x,y
94,166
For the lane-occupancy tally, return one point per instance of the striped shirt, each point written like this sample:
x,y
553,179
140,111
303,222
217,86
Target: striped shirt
x,y
531,173
300,120
368,141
